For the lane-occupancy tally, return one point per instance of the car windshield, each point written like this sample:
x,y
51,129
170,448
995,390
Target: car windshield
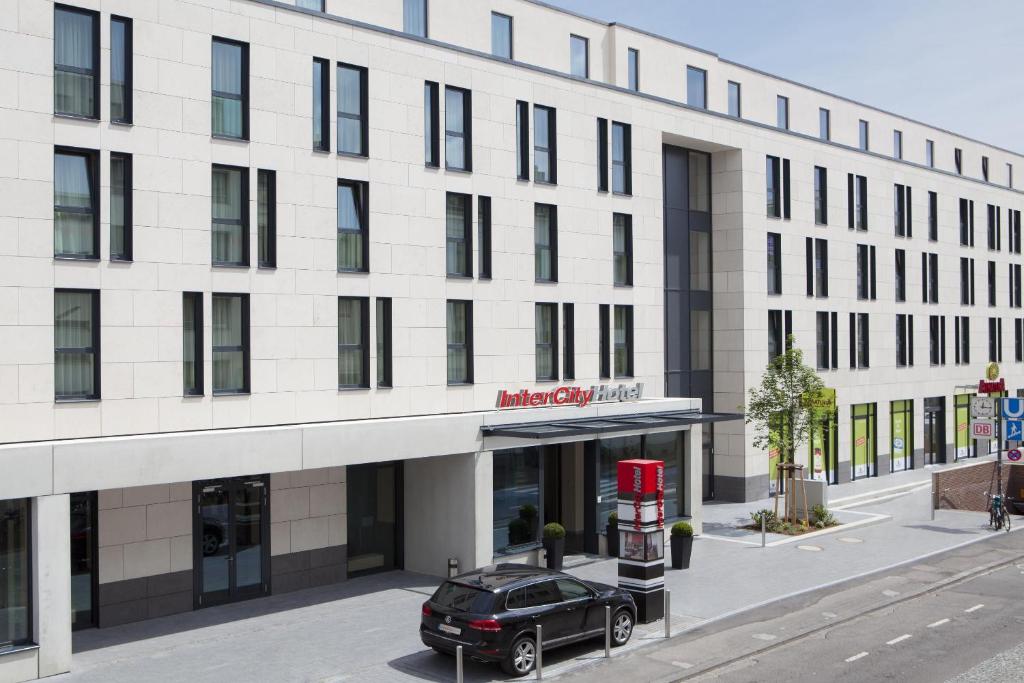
x,y
463,598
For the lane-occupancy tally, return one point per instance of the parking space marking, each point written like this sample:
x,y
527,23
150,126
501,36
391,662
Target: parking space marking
x,y
940,622
975,608
899,639
856,656
683,665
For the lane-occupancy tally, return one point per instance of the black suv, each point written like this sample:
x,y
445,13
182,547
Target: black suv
x,y
493,613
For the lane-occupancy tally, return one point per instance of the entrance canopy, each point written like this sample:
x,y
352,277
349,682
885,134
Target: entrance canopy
x,y
605,425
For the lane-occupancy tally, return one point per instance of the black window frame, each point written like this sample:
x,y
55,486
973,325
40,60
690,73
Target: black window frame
x,y
568,341
936,340
552,246
243,220
821,268
363,117
383,334
902,212
994,232
782,101
704,80
773,262
552,346
549,115
128,69
627,254
984,168
245,347
432,124
958,160
324,95
270,262
738,87
820,195
602,155
467,129
92,158
900,278
773,186
94,349
626,163
1018,340
95,71
195,299
28,590
633,69
364,342
860,341
904,340
362,196
511,35
243,97
627,311
469,339
991,281
897,144
857,211
466,270
483,219
995,340
929,153
863,135
604,341
128,228
827,121
522,140
933,216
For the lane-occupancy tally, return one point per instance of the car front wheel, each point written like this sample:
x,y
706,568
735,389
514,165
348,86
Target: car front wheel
x,y
622,627
521,658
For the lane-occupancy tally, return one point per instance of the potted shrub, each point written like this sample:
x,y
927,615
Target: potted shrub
x,y
682,545
554,545
612,532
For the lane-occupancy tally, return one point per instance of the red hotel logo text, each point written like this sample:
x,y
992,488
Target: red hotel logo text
x,y
569,396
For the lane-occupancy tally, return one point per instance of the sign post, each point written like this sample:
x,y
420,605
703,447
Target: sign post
x,y
641,508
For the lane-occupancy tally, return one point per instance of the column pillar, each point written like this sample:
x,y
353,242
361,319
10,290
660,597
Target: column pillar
x,y
693,466
51,582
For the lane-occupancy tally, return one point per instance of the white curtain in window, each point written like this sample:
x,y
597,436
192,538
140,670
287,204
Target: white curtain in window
x,y
621,257
414,17
227,216
227,86
543,327
74,69
350,339
72,337
458,361
72,202
228,354
350,223
455,219
542,242
117,197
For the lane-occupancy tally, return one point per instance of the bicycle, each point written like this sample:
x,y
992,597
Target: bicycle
x,y
998,515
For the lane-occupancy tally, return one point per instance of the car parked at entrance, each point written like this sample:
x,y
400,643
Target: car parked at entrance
x,y
494,612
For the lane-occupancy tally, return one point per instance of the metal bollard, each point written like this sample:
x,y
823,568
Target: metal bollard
x,y
458,664
607,631
668,613
453,567
762,530
540,663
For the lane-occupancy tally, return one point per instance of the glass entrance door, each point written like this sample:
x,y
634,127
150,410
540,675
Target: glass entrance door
x,y
934,430
231,532
374,514
84,549
824,453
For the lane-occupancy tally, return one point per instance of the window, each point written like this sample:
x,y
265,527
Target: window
x,y
901,275
773,189
501,35
984,168
16,573
962,337
824,124
353,226
904,340
820,195
517,490
1015,288
929,153
774,263
622,249
76,216
353,102
863,129
76,344
897,144
700,260
458,130
1013,224
958,160
782,112
696,87
937,339
966,222
1009,175
865,271
568,341
604,341
777,336
120,69
700,339
623,341
995,340
522,140
230,216
546,338
76,58
431,124
735,100
995,228
230,344
230,92
857,201
353,342
634,69
192,343
266,218
458,235
483,218
602,155
460,342
901,210
859,341
991,283
316,5
1018,340
966,281
930,278
821,267
414,17
579,57
120,207
544,145
622,158
933,216
545,242
827,347
321,104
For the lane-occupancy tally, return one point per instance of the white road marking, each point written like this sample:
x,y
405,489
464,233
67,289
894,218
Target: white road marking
x,y
899,639
890,593
975,608
856,656
763,636
829,615
683,665
940,622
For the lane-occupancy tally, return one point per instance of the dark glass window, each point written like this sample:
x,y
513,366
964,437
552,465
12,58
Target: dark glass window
x,y
568,341
966,281
774,334
546,342
820,195
602,155
120,69
622,158
995,228
962,337
821,267
930,278
431,125
414,17
897,144
15,573
825,340
192,343
353,225
84,561
383,338
266,218
76,57
579,57
522,140
902,210
544,147
859,340
984,168
76,344
991,283
624,341
700,260
353,342
321,104
995,340
904,340
460,342
773,187
933,216
230,343
696,87
958,160
458,140
862,128
735,100
774,263
782,112
76,214
604,341
824,124
857,201
966,222
230,216
120,206
929,153
700,339
517,504
353,101
230,95
634,69
622,254
458,235
501,35
483,217
545,242
937,339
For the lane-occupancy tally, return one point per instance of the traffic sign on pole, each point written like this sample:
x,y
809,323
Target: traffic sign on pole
x,y
1013,454
1013,430
1013,408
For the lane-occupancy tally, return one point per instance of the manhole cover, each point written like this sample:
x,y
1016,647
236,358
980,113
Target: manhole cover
x,y
850,539
810,548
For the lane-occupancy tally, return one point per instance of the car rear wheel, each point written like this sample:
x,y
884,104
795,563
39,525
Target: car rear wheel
x,y
521,658
622,627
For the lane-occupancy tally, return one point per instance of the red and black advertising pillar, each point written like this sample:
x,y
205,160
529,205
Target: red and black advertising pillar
x,y
642,535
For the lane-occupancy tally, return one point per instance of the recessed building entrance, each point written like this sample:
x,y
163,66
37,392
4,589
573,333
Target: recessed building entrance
x,y
934,430
374,518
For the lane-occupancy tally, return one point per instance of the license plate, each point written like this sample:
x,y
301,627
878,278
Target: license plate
x,y
449,629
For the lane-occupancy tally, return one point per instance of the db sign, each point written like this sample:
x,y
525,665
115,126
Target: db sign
x,y
983,429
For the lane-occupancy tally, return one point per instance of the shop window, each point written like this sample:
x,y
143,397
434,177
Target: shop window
x,y
517,498
15,573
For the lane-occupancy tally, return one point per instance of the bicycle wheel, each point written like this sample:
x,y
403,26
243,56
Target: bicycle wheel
x,y
1006,516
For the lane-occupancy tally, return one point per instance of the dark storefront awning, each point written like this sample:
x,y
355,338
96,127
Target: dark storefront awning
x,y
595,426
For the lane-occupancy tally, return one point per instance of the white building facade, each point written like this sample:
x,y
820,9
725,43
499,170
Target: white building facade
x,y
266,270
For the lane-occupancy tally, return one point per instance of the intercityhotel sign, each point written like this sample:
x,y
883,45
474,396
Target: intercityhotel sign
x,y
569,396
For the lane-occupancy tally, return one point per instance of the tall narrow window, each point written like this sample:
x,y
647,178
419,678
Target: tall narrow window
x,y
984,169
120,69
995,340
820,195
633,57
862,127
1018,340
522,140
546,347
604,341
774,263
623,341
904,340
76,216
826,347
933,216
230,343
958,160
929,153
966,222
460,342
995,237
568,342
544,145
897,144
16,546
622,158
321,104
545,242
696,87
930,278
1015,285
824,124
501,35
778,331
230,216
902,198
353,342
821,268
192,343
483,218
901,275
579,56
266,218
353,101
962,329
622,255
859,341
353,226
431,125
1009,175
383,338
700,260
76,57
937,340
866,272
602,155
458,140
414,17
773,189
782,112
991,283
230,106
120,207
735,100
76,344
857,201
458,235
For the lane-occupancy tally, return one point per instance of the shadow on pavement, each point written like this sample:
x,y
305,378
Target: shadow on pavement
x,y
944,530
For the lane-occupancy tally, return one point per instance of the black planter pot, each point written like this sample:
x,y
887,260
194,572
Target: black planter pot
x,y
682,546
612,531
555,551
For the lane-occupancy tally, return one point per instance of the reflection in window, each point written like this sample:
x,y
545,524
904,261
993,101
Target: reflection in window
x,y
352,102
76,342
668,447
545,243
700,260
700,181
352,220
622,254
75,216
230,343
230,71
700,340
460,342
696,87
75,53
609,453
516,498
15,573
414,17
579,60
501,35
230,228
352,348
457,140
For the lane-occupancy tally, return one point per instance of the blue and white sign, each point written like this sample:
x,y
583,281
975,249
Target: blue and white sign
x,y
1013,430
1013,408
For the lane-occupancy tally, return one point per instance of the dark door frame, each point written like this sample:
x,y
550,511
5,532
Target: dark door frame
x,y
399,517
94,549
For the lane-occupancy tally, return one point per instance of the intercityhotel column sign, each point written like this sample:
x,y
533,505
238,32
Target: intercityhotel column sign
x,y
569,396
641,511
